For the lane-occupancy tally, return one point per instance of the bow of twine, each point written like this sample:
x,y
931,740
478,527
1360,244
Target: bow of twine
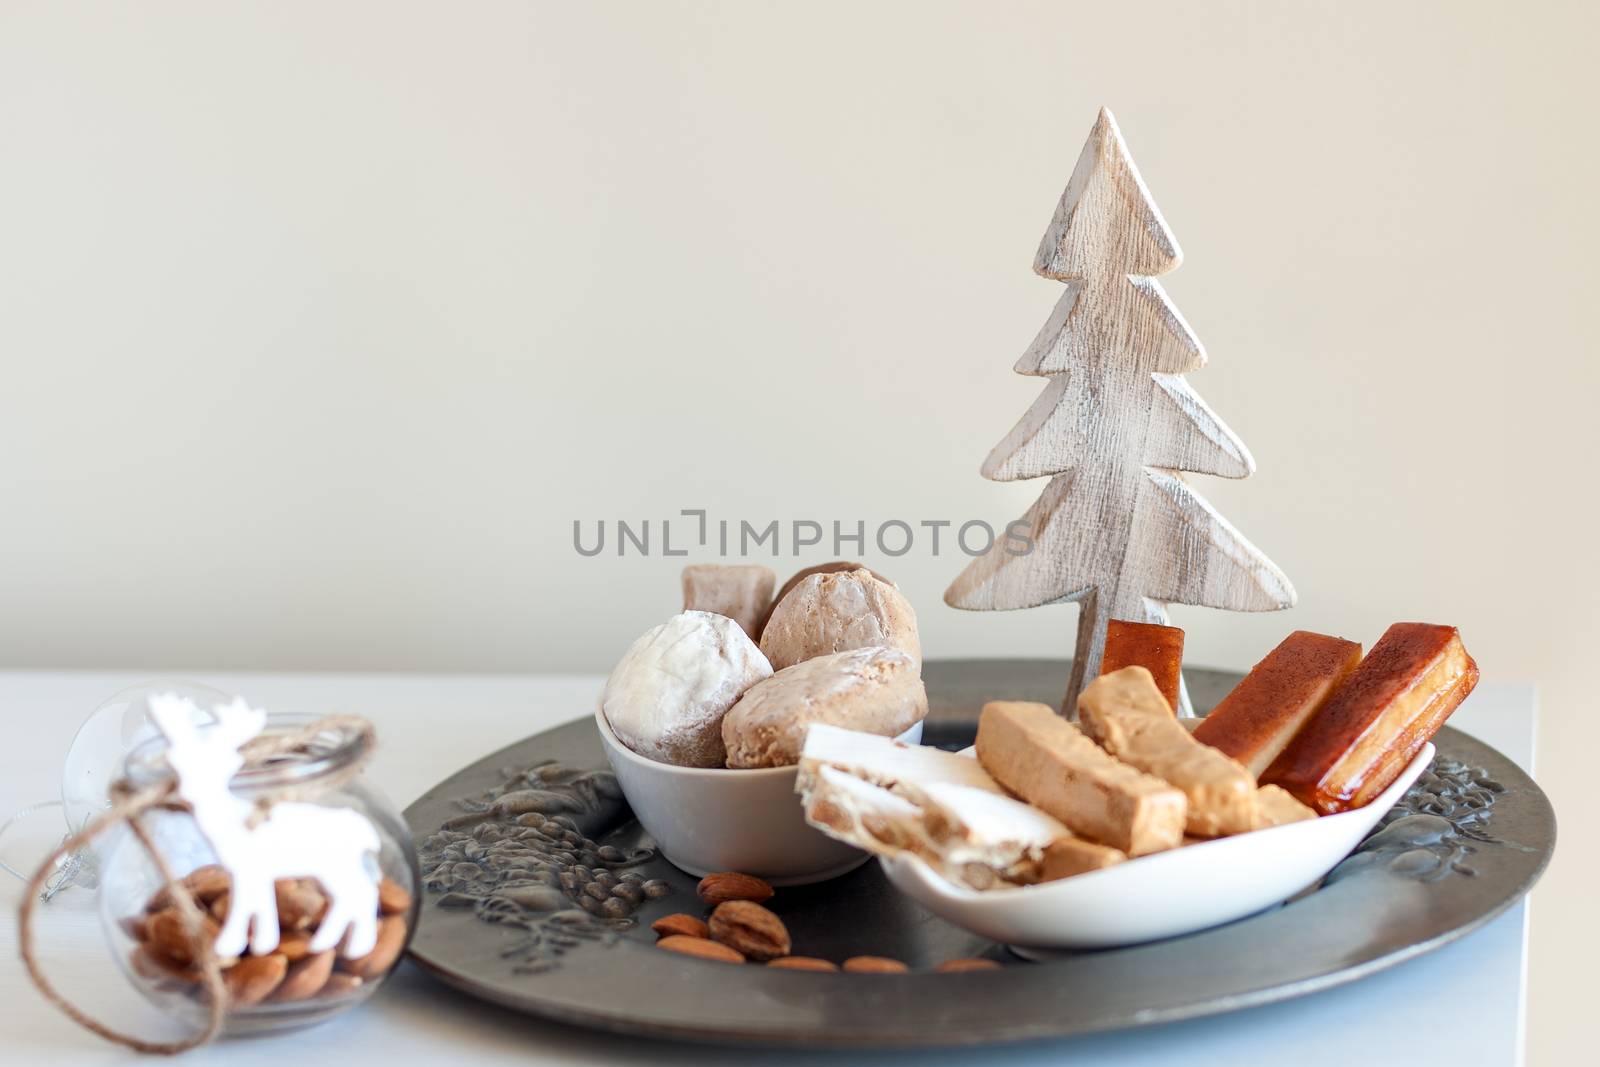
x,y
129,805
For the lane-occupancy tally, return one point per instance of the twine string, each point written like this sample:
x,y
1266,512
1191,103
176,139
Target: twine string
x,y
129,805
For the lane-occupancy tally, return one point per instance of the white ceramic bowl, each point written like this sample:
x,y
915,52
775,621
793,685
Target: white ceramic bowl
x,y
1161,895
708,819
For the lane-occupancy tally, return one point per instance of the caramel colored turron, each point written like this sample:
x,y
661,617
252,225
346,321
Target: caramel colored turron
x,y
1256,721
1372,726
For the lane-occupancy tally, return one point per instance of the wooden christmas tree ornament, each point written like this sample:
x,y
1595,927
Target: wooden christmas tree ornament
x,y
1117,529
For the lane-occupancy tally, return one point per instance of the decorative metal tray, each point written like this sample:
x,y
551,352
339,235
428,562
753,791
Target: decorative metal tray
x,y
541,891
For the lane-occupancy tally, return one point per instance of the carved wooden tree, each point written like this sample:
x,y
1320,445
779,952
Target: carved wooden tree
x,y
1117,529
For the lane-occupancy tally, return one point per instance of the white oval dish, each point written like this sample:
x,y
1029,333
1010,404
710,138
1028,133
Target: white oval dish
x,y
707,819
1161,895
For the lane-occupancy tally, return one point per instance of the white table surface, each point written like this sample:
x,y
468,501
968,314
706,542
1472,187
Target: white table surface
x,y
430,726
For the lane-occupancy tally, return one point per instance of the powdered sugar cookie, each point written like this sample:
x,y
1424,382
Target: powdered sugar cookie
x,y
666,697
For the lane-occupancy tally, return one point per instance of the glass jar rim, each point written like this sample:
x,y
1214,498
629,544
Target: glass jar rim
x,y
330,750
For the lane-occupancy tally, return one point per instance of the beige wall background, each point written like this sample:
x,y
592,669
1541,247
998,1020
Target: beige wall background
x,y
322,323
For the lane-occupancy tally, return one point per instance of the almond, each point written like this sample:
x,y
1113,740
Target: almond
x,y
874,965
700,948
680,924
301,903
972,964
254,977
295,946
724,886
827,813
168,935
305,977
208,882
802,963
391,939
392,898
749,929
205,884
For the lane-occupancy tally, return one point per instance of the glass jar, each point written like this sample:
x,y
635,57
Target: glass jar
x,y
288,987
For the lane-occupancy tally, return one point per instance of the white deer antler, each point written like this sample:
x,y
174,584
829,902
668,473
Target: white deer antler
x,y
237,723
174,716
204,756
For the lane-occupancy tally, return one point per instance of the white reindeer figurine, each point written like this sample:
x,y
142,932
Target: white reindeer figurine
x,y
293,840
